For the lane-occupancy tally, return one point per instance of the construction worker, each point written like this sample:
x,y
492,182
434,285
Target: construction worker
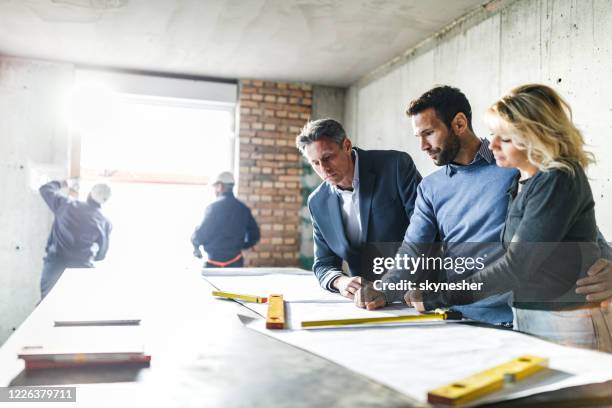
x,y
80,231
228,227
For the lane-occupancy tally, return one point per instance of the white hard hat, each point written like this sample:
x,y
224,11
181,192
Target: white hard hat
x,y
225,177
100,193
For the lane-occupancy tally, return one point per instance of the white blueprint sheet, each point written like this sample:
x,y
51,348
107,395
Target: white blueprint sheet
x,y
293,286
419,358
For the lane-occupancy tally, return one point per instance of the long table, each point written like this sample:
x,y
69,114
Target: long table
x,y
202,355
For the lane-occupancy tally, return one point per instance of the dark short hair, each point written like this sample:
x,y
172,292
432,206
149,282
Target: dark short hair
x,y
446,101
317,129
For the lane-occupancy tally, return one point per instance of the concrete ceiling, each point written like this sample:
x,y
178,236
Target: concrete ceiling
x,y
331,42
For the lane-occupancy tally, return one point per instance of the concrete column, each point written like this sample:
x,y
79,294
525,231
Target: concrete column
x,y
34,142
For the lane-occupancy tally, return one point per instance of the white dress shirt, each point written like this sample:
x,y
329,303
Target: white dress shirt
x,y
349,205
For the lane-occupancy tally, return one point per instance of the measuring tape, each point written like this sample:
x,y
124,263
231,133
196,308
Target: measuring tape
x,y
426,317
235,296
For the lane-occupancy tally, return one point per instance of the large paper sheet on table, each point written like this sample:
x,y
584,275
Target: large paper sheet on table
x,y
304,298
413,359
294,286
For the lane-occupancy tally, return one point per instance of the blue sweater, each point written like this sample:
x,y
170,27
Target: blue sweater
x,y
462,204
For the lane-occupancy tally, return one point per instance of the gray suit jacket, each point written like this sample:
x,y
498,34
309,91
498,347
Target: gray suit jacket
x,y
388,183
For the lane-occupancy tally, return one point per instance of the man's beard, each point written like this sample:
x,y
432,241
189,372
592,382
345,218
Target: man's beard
x,y
449,151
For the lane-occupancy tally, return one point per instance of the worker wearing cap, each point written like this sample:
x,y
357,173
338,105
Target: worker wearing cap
x,y
228,227
80,231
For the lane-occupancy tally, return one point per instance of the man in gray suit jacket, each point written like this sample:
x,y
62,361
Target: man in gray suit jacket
x,y
366,197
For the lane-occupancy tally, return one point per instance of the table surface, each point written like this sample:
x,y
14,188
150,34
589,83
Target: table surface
x,y
201,352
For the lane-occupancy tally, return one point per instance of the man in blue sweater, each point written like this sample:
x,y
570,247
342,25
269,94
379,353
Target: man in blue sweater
x,y
463,202
228,227
80,232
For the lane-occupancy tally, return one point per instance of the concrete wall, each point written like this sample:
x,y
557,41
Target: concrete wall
x,y
33,140
563,43
328,102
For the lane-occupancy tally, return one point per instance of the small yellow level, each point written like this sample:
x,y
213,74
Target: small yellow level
x,y
319,324
488,381
276,312
235,296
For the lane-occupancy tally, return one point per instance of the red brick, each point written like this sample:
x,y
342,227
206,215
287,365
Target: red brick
x,y
272,91
248,104
247,133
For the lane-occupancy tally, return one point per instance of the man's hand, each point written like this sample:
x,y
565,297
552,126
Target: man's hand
x,y
369,298
347,286
197,253
597,285
414,298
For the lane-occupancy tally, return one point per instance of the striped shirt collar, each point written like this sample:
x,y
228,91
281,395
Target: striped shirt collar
x,y
483,153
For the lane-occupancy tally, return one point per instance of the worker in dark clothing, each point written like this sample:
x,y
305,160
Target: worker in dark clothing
x,y
80,231
228,227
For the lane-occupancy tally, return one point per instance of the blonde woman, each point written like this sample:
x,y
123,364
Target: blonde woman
x,y
550,232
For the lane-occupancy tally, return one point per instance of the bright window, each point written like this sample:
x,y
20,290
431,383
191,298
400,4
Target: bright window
x,y
158,154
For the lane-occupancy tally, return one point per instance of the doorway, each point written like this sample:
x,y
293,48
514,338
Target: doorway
x,y
157,153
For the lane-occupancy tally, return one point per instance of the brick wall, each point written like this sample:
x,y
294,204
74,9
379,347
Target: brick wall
x,y
271,115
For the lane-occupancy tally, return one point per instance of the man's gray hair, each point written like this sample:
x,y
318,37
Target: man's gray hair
x,y
318,129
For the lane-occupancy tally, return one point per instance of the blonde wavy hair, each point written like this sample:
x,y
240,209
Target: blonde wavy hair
x,y
540,122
